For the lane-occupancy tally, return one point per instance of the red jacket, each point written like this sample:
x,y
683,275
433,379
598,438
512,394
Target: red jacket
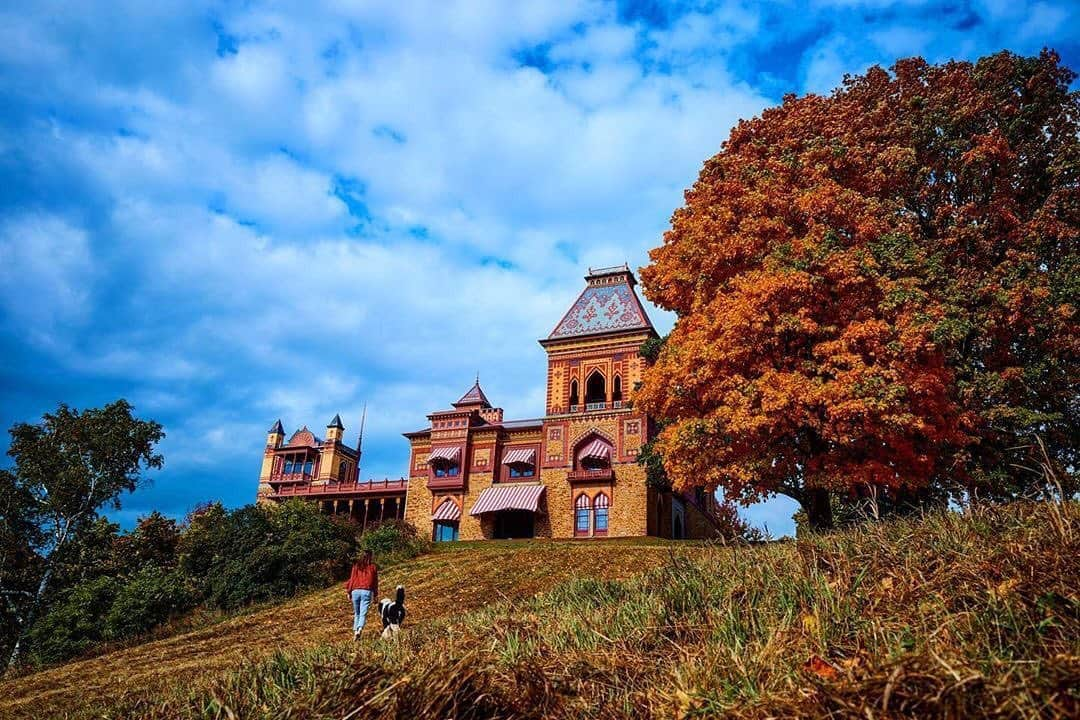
x,y
363,579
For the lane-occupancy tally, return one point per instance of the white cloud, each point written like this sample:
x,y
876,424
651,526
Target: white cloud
x,y
46,274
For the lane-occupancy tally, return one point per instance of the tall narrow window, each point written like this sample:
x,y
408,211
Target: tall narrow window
x,y
573,395
600,514
581,515
595,390
342,469
288,465
616,390
308,467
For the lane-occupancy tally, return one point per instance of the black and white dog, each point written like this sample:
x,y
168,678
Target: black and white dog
x,y
393,613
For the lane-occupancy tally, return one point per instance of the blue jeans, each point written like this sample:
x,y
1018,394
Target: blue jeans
x,y
361,600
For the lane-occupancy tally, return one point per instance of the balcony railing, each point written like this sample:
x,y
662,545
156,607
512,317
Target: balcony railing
x,y
371,487
446,482
595,406
600,474
293,477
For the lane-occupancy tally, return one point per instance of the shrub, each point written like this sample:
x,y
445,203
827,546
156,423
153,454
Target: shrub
x,y
74,623
393,541
255,554
148,599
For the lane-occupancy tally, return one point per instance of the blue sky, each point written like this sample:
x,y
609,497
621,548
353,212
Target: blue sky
x,y
233,212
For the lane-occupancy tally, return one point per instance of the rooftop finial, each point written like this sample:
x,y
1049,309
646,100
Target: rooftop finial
x,y
477,377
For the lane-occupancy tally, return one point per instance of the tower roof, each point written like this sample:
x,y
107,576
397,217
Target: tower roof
x,y
304,437
277,428
474,396
336,422
607,304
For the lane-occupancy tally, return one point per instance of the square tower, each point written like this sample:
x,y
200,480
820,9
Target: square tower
x,y
591,433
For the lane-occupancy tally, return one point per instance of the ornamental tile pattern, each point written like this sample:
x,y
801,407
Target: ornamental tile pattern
x,y
603,309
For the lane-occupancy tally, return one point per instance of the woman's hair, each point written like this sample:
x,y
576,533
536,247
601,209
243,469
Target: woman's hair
x,y
364,558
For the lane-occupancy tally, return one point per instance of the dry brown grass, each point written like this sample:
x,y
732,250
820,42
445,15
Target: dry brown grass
x,y
452,581
951,616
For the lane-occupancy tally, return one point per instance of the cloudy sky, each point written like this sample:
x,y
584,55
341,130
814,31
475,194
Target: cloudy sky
x,y
234,212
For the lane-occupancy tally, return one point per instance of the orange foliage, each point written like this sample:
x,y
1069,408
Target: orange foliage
x,y
876,287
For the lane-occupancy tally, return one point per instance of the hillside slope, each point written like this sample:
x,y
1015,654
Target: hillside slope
x,y
973,615
453,581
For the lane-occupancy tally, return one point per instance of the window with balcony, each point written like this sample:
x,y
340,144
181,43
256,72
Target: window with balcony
x,y
616,392
574,399
595,391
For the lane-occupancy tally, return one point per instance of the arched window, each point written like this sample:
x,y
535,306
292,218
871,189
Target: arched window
x,y
595,390
600,514
616,390
573,395
581,515
594,453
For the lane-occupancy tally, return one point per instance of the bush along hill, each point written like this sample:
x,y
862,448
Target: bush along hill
x,y
125,585
972,615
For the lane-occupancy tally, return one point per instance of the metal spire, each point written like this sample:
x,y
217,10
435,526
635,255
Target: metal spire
x,y
360,442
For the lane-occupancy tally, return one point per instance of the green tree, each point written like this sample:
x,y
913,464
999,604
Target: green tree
x,y
67,468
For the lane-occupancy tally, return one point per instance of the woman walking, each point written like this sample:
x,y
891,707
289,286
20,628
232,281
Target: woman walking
x,y
362,586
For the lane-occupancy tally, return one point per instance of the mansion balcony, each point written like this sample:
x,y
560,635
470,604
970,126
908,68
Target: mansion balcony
x,y
597,475
446,482
371,488
596,406
291,478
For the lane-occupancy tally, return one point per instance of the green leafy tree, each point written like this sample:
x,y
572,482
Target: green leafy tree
x,y
254,553
152,596
67,468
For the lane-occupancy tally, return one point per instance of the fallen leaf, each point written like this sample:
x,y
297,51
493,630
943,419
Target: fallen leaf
x,y
822,668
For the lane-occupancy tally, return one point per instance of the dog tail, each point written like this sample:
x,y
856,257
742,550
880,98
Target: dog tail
x,y
400,598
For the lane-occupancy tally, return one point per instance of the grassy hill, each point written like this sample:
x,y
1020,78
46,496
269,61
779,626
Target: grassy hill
x,y
974,615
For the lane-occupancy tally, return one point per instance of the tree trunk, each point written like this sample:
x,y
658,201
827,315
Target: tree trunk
x,y
31,616
818,509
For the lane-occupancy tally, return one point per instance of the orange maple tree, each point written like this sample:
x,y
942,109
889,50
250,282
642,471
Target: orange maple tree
x,y
877,289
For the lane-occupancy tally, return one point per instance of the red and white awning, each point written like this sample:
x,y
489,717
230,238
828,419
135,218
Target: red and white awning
x,y
508,497
448,510
449,454
520,456
597,450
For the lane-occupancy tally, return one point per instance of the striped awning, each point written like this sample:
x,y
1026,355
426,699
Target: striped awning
x,y
524,457
597,450
448,510
450,454
508,497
